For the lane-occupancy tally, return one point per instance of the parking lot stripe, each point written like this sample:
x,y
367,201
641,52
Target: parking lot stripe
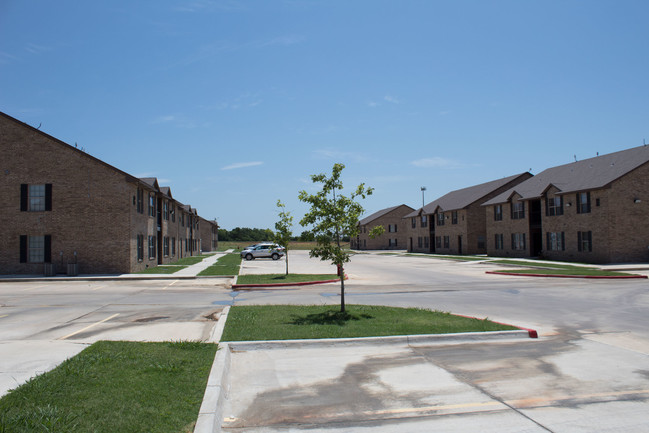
x,y
34,288
170,284
100,287
88,327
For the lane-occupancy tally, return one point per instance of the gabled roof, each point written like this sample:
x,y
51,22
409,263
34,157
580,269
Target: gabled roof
x,y
588,174
151,181
166,191
462,198
380,213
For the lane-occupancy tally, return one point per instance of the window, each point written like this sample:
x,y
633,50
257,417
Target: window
x,y
554,206
426,242
152,247
481,243
173,213
140,200
499,244
392,242
165,246
420,242
173,246
182,219
151,204
165,210
392,228
440,219
140,247
447,241
498,212
35,198
413,221
35,249
424,220
556,241
454,217
583,202
585,241
518,241
438,241
518,210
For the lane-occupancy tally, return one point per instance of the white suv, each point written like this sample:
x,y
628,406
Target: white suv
x,y
273,251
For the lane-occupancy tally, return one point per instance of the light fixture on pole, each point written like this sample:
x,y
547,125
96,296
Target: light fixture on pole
x,y
423,188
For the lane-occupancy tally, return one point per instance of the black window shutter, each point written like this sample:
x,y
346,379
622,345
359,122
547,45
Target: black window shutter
x,y
23,197
48,249
547,240
23,249
590,242
48,196
578,240
578,204
563,241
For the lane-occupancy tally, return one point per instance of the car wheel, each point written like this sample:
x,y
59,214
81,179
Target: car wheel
x,y
249,256
275,256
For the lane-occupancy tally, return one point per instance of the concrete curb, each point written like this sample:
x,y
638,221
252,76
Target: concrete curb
x,y
425,339
593,277
210,415
217,332
271,285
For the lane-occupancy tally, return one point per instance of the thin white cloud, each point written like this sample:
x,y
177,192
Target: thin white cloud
x,y
242,165
373,104
436,162
391,99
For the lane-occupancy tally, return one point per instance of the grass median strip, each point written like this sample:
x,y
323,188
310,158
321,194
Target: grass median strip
x,y
288,322
544,268
228,264
283,278
115,387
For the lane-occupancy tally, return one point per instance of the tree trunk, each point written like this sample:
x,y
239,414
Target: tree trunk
x,y
342,289
286,262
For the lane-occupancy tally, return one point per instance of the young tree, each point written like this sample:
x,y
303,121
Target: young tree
x,y
284,229
333,216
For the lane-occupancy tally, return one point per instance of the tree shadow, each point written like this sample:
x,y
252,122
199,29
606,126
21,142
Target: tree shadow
x,y
329,317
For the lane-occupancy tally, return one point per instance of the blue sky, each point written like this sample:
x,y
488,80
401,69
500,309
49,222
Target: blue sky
x,y
234,104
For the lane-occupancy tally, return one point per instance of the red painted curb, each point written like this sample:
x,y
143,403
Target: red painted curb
x,y
593,277
531,332
271,285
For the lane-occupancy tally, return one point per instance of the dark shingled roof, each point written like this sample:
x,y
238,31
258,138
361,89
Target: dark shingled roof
x,y
588,174
380,213
461,198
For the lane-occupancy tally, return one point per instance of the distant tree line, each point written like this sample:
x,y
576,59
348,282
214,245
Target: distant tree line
x,y
246,234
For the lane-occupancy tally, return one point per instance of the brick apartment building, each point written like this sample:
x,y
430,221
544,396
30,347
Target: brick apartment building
x,y
394,236
62,206
455,223
592,211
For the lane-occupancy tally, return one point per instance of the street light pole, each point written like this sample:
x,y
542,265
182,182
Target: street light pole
x,y
423,202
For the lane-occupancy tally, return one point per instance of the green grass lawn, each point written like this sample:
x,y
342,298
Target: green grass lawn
x,y
192,260
226,265
544,268
114,387
576,271
162,269
282,278
287,322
